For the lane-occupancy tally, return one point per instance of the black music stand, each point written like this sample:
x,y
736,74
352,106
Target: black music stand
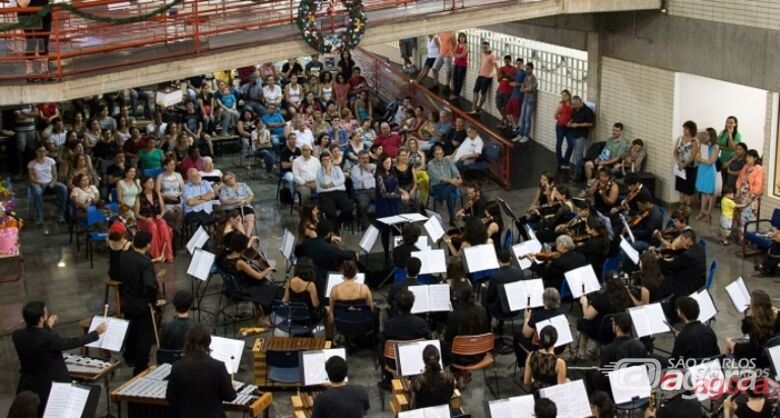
x,y
508,211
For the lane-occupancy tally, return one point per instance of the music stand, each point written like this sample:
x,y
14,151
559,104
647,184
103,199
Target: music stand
x,y
508,211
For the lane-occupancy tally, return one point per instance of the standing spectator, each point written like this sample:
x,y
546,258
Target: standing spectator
x,y
26,135
582,119
727,141
705,177
43,179
529,88
487,66
461,61
750,187
562,117
686,154
432,55
388,198
408,45
734,165
445,179
506,75
444,62
37,40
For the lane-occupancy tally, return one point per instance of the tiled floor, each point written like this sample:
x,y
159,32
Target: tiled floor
x,y
63,278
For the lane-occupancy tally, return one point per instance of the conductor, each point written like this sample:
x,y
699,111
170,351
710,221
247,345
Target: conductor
x,y
40,351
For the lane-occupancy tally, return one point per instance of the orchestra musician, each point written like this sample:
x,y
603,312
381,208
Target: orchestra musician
x,y
594,244
563,259
695,341
40,351
474,206
325,254
686,269
648,219
650,287
198,383
543,198
604,191
679,222
628,206
340,400
575,228
563,213
475,232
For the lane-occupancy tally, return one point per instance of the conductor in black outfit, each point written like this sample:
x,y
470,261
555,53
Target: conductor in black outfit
x,y
340,400
139,294
199,383
40,351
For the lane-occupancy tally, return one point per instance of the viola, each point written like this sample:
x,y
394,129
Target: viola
x,y
255,257
545,256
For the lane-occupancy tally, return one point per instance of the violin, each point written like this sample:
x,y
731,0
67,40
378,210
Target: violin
x,y
549,209
545,256
637,219
255,257
604,190
670,233
581,237
630,198
574,227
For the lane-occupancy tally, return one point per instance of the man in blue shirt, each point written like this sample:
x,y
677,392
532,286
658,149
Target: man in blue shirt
x,y
274,121
198,198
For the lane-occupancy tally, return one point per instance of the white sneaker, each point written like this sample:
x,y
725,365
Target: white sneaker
x,y
524,139
517,138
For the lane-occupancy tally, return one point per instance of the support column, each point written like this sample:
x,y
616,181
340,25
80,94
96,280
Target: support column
x,y
594,68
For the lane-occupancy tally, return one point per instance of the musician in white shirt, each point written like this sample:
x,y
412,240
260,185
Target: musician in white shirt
x,y
469,150
305,169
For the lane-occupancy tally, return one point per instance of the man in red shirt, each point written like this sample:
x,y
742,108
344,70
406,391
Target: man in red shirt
x,y
390,141
506,75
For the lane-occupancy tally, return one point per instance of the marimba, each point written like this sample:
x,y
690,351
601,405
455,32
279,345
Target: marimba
x,y
399,401
263,345
145,396
92,370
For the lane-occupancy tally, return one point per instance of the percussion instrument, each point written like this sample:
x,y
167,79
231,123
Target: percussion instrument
x,y
302,404
402,389
88,368
263,345
145,396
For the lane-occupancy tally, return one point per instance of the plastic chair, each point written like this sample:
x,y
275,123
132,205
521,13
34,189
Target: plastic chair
x,y
508,239
628,407
759,240
293,318
711,274
94,216
610,264
355,321
473,345
606,335
233,295
283,366
703,245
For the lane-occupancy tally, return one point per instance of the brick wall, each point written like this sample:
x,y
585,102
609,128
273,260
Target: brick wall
x,y
642,98
755,13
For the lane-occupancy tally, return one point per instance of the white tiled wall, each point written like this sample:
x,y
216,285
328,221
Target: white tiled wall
x,y
756,13
642,98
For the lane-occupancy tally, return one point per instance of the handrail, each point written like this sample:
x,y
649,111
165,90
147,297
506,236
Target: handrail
x,y
379,72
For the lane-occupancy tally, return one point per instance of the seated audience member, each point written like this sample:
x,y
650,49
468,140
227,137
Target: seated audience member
x,y
172,334
84,194
602,405
467,318
363,176
340,400
212,174
390,141
545,408
412,270
255,285
237,195
633,160
651,281
524,341
349,292
302,288
648,220
611,299
686,268
325,254
127,191
469,150
43,179
134,145
445,135
434,386
543,368
507,273
761,322
116,170
695,340
199,384
553,272
305,169
198,199
149,208
332,192
754,405
275,122
193,160
623,346
287,156
444,180
613,152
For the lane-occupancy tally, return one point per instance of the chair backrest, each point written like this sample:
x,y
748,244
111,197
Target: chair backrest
x,y
776,218
711,274
285,359
565,292
508,238
663,212
469,345
703,245
153,172
353,319
94,215
292,311
610,264
229,283
491,151
605,329
399,274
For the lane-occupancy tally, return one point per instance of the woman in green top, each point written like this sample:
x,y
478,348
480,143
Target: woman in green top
x,y
151,157
728,140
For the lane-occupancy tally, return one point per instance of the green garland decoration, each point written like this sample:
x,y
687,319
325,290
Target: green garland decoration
x,y
348,38
34,20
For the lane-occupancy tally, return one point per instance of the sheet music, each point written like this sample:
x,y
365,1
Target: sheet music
x,y
434,229
336,278
392,220
739,294
629,250
413,217
441,411
433,261
702,375
421,244
369,238
571,399
630,383
561,324
648,319
532,246
774,357
313,365
707,309
421,299
431,298
114,336
531,233
520,293
228,351
515,407
582,276
66,401
481,258
679,172
288,241
409,356
198,239
200,264
627,228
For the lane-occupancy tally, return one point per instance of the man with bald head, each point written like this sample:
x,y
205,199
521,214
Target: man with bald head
x,y
198,198
390,141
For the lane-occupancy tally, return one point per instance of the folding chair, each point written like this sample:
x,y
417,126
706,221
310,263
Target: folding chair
x,y
472,345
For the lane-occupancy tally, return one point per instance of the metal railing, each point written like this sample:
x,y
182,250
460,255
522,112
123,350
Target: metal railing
x,y
78,46
391,84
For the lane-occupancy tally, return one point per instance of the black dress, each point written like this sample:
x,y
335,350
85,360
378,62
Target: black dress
x,y
260,292
304,297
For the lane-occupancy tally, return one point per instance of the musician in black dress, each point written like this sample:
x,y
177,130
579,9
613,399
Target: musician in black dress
x,y
542,201
302,288
594,244
198,383
474,206
255,285
604,191
40,351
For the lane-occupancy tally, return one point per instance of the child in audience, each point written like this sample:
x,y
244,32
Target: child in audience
x,y
727,206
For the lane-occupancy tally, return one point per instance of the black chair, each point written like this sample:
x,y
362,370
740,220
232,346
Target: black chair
x,y
355,323
293,318
606,335
283,366
233,296
491,153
